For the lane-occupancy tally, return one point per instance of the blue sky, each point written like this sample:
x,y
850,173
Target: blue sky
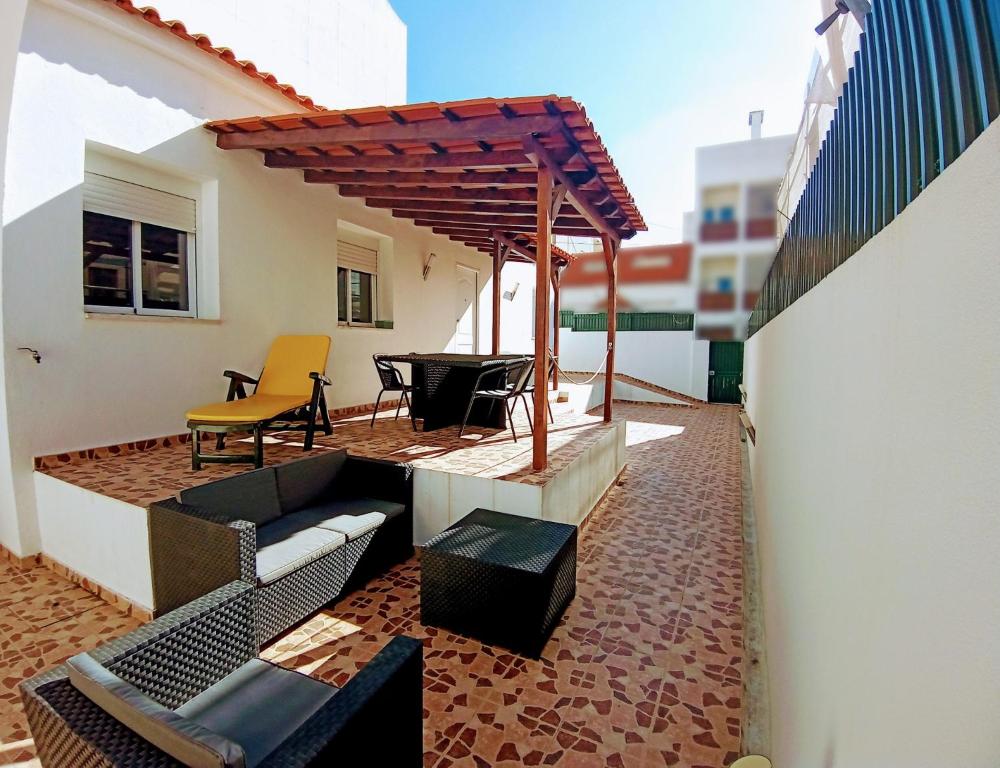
x,y
658,77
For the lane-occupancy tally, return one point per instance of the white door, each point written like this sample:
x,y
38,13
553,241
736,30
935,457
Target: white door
x,y
466,310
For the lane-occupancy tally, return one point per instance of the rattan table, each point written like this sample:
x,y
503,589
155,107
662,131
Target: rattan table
x,y
502,579
443,383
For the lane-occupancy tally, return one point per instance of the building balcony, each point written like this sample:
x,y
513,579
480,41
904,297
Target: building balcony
x,y
750,299
716,301
718,231
761,228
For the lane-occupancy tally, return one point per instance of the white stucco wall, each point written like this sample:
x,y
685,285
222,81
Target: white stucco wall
x,y
671,359
517,316
341,53
90,75
876,401
11,20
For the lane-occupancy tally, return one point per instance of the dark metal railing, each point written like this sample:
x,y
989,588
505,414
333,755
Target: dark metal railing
x,y
924,84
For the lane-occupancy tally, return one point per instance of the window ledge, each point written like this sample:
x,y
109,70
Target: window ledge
x,y
348,326
128,317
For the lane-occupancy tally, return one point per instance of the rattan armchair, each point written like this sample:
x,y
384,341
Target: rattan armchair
x,y
198,651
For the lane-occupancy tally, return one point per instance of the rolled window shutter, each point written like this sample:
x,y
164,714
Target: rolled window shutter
x,y
113,197
357,257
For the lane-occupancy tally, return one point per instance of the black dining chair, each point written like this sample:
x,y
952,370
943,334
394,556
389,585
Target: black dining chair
x,y
392,381
530,388
516,377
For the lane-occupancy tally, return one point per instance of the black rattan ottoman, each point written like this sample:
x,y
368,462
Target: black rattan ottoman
x,y
502,579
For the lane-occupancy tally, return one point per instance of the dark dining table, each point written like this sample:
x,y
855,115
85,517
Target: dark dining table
x,y
444,382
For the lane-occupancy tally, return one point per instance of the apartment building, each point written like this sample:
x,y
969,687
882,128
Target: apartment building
x,y
733,227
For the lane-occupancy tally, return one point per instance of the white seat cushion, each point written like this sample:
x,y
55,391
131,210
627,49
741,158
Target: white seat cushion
x,y
283,547
353,526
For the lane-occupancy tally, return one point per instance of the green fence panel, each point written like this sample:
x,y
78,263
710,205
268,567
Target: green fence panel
x,y
590,321
662,321
628,321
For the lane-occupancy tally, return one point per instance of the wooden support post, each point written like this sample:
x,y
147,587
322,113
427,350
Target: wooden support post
x,y
543,265
611,261
556,279
496,297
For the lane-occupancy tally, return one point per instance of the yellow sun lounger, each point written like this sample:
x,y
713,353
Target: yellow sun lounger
x,y
290,389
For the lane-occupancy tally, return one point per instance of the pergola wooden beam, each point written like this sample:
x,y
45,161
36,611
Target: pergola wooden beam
x,y
513,158
500,252
493,129
516,195
418,179
463,206
556,291
514,246
459,231
610,247
539,445
510,228
590,211
580,226
441,157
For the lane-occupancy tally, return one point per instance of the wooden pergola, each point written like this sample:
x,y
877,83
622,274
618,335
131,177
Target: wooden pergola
x,y
498,175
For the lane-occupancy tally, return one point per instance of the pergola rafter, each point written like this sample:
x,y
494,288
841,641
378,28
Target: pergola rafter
x,y
498,175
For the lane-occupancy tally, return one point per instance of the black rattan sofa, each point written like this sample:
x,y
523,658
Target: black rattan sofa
x,y
304,533
188,689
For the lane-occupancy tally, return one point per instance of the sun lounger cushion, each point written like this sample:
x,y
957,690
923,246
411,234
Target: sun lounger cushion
x,y
290,361
302,481
285,545
249,410
186,741
251,496
258,706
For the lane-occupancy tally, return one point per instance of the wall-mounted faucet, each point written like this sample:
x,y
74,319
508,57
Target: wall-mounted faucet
x,y
34,353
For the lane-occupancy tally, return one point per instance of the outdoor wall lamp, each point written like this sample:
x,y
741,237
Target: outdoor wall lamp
x,y
509,295
427,264
34,353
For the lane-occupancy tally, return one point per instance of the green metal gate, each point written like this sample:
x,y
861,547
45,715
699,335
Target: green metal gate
x,y
725,371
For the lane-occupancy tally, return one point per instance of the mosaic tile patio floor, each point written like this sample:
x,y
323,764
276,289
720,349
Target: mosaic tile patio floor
x,y
645,668
142,477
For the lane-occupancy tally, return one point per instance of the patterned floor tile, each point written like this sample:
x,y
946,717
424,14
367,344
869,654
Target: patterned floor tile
x,y
644,669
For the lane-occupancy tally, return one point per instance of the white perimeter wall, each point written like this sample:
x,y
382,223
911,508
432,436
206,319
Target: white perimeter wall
x,y
671,359
88,73
876,400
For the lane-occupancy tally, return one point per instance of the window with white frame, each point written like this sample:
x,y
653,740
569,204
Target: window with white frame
x,y
138,249
357,270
